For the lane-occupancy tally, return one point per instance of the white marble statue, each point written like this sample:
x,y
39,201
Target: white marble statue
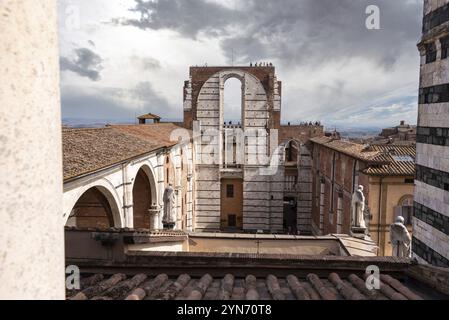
x,y
358,208
400,238
169,218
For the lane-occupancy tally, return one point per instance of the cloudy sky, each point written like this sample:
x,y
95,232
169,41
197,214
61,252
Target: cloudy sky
x,y
121,58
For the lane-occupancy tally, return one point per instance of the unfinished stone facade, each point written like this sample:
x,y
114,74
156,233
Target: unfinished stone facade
x,y
244,152
431,214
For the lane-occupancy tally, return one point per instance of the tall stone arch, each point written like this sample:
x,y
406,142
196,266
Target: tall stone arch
x,y
204,103
203,95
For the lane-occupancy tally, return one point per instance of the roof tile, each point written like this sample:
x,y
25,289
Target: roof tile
x,y
89,150
311,287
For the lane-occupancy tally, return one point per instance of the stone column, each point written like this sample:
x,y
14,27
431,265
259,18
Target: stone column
x,y
128,201
160,184
154,217
31,224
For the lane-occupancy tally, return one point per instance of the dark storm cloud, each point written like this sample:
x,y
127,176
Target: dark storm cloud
x,y
113,103
291,31
85,63
78,104
318,31
188,17
150,98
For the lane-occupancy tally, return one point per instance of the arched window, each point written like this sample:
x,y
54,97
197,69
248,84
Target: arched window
x,y
232,101
291,152
405,209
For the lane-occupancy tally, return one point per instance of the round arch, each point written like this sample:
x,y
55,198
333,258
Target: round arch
x,y
288,155
406,200
144,197
95,207
252,92
405,209
234,74
148,170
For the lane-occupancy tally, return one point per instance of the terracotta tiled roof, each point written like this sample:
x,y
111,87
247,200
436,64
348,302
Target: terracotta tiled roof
x,y
89,150
160,132
400,159
311,286
149,116
391,160
351,149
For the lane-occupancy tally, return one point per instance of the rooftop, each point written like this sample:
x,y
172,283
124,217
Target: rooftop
x,y
160,132
400,158
384,160
351,149
111,270
149,116
89,150
172,276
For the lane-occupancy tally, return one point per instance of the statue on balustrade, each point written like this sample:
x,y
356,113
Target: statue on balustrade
x,y
358,208
400,238
169,218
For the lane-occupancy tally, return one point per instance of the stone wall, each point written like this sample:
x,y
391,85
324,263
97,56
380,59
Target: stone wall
x,y
31,226
334,176
430,234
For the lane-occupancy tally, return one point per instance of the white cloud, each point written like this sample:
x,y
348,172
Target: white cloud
x,y
331,68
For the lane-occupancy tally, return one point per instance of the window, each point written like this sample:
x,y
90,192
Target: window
x,y
436,18
431,52
230,191
434,94
232,220
445,47
340,214
289,152
405,209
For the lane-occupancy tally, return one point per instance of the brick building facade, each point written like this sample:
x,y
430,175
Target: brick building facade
x,y
336,174
385,172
